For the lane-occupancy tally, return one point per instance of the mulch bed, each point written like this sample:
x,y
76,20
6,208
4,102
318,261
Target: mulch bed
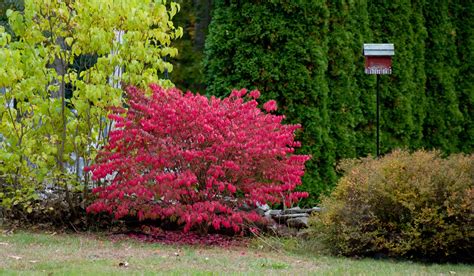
x,y
158,235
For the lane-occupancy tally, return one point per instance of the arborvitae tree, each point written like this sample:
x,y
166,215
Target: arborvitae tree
x,y
280,48
443,123
365,128
463,14
351,91
419,100
402,101
344,104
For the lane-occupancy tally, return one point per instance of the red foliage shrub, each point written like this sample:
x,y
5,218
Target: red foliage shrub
x,y
196,160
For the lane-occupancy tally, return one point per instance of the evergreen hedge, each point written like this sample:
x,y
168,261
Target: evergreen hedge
x,y
444,118
308,56
280,48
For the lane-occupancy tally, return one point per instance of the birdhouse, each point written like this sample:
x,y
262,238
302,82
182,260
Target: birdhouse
x,y
378,58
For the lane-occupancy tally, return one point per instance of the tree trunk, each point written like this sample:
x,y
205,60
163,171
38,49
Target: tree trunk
x,y
203,12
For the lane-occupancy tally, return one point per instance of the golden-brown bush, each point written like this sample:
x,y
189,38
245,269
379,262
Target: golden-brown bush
x,y
415,205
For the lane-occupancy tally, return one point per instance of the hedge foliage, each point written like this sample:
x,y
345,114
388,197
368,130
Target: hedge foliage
x,y
281,48
415,205
308,56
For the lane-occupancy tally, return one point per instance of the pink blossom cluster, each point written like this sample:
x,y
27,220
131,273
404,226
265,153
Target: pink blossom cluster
x,y
197,160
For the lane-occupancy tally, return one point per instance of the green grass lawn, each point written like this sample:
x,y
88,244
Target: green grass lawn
x,y
88,254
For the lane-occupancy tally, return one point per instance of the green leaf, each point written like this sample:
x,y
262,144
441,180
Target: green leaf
x,y
69,41
9,12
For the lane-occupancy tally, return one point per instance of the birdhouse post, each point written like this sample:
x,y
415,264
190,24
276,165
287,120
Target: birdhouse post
x,y
378,61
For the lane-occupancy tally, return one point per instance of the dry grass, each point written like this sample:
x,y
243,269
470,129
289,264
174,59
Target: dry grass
x,y
88,254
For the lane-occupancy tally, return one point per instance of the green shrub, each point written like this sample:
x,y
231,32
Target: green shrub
x,y
412,205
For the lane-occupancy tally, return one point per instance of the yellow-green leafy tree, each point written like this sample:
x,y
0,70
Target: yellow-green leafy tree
x,y
53,113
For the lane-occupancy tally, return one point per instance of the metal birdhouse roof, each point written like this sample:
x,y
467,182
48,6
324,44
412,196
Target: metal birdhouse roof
x,y
379,49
